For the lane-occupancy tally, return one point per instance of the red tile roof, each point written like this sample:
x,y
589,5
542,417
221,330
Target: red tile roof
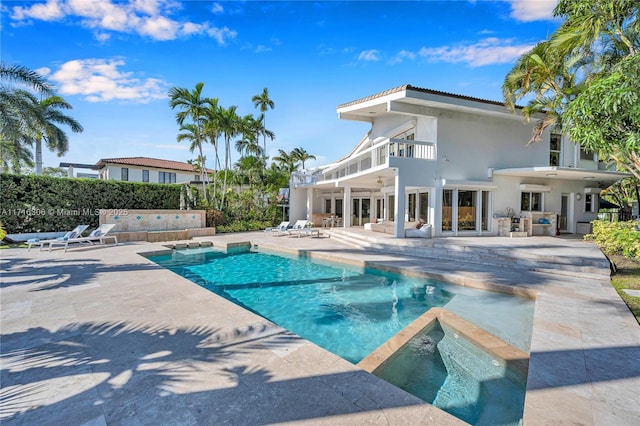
x,y
148,162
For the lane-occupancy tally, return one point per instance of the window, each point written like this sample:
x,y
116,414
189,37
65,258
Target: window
x,y
467,210
586,155
589,203
447,209
412,207
555,144
124,174
327,205
166,177
196,178
145,175
485,210
531,201
424,207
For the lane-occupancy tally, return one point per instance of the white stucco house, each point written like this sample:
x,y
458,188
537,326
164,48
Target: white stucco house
x,y
145,169
461,164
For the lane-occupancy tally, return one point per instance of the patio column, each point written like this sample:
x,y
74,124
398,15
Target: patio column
x,y
346,207
400,207
437,204
310,204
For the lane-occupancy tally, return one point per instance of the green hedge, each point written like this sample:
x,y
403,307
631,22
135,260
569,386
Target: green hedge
x,y
617,238
46,204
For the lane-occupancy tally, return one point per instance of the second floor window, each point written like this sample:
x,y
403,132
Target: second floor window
x,y
586,155
166,177
555,144
145,175
124,174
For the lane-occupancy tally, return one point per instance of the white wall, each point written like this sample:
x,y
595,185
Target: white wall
x,y
135,174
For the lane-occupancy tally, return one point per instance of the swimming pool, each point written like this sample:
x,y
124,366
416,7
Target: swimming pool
x,y
347,310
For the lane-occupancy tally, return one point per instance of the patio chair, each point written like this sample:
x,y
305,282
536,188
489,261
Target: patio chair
x,y
276,230
423,232
73,234
98,235
302,227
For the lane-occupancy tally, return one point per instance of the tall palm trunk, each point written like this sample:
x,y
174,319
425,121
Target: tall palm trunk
x,y
203,174
38,142
227,160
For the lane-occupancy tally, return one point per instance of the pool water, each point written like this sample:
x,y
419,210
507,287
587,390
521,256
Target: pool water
x,y
444,369
346,310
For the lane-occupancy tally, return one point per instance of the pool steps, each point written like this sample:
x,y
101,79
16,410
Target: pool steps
x,y
502,257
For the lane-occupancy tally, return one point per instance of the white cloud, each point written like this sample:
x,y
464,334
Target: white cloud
x,y
102,37
159,28
217,9
49,11
221,34
99,80
369,55
401,56
488,51
262,48
148,18
44,71
532,10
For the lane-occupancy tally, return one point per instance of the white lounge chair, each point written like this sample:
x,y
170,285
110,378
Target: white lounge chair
x,y
423,232
277,230
98,235
75,233
302,227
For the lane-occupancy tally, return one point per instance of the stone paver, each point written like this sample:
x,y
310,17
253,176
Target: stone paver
x,y
101,335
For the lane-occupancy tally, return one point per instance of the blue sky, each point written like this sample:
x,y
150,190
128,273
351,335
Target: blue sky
x,y
116,61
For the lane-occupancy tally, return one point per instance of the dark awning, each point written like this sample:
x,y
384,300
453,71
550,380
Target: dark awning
x,y
604,204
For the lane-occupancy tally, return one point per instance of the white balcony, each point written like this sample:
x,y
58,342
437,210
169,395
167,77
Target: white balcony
x,y
377,157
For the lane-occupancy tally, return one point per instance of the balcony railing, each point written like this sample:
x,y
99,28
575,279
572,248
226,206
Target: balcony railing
x,y
374,157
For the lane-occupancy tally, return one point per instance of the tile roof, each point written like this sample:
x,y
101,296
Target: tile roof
x,y
423,90
147,162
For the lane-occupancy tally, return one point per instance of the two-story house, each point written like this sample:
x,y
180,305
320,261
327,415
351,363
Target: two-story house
x,y
461,164
145,169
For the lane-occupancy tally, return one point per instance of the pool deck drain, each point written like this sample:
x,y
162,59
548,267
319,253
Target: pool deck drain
x,y
101,335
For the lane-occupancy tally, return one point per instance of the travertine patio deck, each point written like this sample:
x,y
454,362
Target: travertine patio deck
x,y
100,335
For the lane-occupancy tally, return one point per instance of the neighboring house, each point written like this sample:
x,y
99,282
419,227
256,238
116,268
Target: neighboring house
x,y
144,169
461,164
72,166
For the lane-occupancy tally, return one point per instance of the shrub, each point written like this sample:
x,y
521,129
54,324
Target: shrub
x,y
244,225
43,203
214,218
617,238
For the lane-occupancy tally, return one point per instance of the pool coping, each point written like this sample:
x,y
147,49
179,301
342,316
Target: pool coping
x,y
508,355
583,366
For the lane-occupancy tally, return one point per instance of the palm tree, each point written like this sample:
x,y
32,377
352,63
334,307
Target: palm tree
x,y
14,154
45,127
544,74
302,155
212,133
248,145
263,102
18,111
24,75
287,161
229,125
594,37
251,167
193,107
